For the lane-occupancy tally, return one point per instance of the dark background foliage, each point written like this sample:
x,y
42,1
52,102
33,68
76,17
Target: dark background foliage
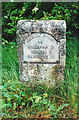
x,y
12,12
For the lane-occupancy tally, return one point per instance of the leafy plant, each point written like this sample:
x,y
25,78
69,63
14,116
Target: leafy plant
x,y
13,12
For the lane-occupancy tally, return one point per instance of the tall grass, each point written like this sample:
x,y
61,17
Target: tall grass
x,y
10,63
40,98
71,74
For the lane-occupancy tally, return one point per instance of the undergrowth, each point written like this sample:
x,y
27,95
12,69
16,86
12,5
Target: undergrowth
x,y
21,100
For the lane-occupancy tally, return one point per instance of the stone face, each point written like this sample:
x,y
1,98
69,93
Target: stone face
x,y
41,50
41,47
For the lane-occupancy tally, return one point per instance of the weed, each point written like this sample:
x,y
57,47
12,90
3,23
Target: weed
x,y
21,100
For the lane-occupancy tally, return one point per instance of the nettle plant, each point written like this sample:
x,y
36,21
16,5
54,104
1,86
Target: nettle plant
x,y
17,96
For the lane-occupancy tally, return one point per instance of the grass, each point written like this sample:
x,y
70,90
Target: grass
x,y
20,100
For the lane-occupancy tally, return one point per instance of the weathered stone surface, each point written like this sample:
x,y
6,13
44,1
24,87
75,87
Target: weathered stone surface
x,y
41,50
39,47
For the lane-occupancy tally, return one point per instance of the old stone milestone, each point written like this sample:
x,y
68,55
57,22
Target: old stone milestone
x,y
41,51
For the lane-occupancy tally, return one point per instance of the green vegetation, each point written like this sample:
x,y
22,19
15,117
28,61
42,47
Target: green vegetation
x,y
20,100
12,12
